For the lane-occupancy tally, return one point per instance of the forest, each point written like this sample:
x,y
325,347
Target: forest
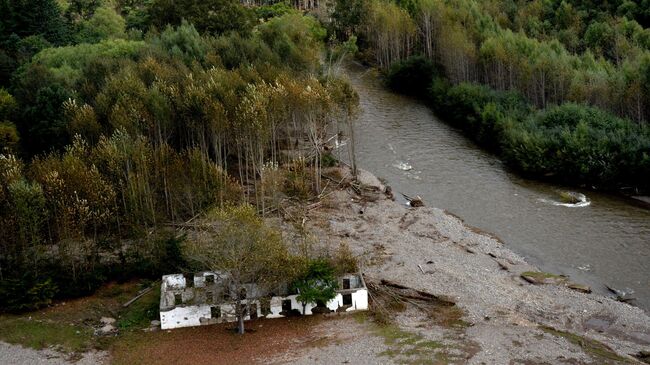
x,y
559,89
120,119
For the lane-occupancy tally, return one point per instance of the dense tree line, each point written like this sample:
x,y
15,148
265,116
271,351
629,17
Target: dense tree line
x,y
570,143
560,88
549,51
118,121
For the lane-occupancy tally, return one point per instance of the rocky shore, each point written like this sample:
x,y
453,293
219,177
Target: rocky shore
x,y
511,312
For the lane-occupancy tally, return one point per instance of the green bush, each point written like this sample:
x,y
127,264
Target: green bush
x,y
412,76
328,160
576,143
570,143
271,11
481,112
26,293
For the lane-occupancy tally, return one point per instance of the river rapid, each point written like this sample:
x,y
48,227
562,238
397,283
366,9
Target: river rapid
x,y
603,241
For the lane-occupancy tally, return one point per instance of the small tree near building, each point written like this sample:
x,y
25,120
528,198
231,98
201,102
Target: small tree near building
x,y
235,241
317,285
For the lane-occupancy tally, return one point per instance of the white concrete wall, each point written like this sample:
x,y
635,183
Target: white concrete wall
x,y
359,300
276,308
188,316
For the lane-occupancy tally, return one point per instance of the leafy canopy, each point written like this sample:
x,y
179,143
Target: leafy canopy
x,y
318,284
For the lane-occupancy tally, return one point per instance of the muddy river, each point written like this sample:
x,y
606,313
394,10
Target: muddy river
x,y
602,241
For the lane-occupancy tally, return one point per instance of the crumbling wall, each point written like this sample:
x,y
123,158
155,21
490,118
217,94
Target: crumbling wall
x,y
184,316
197,303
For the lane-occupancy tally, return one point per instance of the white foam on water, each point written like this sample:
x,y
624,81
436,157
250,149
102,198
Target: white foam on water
x,y
568,205
403,166
582,202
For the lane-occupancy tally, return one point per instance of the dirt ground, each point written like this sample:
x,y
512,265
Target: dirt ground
x,y
481,309
277,341
508,319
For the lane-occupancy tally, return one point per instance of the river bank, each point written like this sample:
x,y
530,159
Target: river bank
x,y
508,319
464,299
604,243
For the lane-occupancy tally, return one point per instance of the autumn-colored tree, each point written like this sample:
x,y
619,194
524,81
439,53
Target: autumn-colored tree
x,y
253,257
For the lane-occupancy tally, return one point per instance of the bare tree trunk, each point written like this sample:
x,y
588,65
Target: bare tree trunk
x,y
240,326
353,156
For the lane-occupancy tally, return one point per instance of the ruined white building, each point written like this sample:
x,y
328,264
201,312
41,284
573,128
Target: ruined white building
x,y
208,298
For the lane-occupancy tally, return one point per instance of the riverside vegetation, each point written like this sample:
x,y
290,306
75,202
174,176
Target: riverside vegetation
x,y
122,120
560,89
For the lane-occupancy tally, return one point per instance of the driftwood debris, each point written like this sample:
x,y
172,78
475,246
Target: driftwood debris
x,y
141,293
406,292
414,202
621,296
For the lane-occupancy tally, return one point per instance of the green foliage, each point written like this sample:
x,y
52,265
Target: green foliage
x,y
412,76
43,119
32,18
267,12
528,57
27,47
295,39
122,138
26,293
348,17
236,241
140,314
9,138
550,52
344,261
105,23
318,284
479,110
8,106
328,160
67,63
581,144
234,50
570,143
183,42
208,16
28,204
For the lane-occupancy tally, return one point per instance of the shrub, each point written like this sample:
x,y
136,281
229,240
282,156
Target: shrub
x,y
581,144
481,112
26,293
317,285
344,261
413,76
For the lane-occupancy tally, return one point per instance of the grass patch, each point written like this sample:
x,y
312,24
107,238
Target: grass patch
x,y
70,325
409,348
140,314
40,334
360,317
448,316
599,351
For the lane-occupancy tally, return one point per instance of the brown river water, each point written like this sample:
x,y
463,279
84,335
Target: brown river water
x,y
605,241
